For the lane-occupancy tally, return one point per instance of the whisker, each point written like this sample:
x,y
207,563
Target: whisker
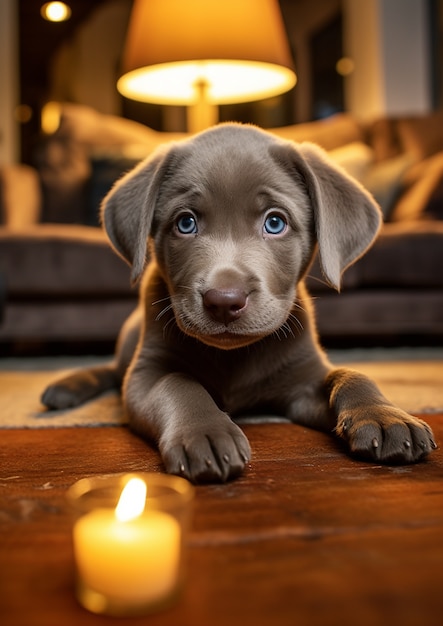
x,y
299,306
163,312
161,300
276,333
296,323
169,326
286,326
318,280
282,330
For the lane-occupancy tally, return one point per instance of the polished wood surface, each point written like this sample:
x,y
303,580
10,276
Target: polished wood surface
x,y
306,537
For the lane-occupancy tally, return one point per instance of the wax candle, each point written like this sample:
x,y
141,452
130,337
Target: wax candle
x,y
130,558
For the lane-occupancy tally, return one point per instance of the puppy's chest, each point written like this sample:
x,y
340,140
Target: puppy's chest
x,y
239,383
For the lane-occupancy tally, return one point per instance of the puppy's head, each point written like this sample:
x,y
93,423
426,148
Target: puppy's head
x,y
233,216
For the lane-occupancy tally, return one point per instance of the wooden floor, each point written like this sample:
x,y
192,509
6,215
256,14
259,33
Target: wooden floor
x,y
307,537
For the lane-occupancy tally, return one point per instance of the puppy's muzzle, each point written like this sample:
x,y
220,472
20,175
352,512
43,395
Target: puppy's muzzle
x,y
225,305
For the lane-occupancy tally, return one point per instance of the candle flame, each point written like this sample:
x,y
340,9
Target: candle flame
x,y
132,500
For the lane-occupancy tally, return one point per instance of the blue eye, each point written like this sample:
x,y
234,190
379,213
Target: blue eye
x,y
275,224
187,224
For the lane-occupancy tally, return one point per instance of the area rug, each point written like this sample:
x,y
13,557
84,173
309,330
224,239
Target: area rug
x,y
415,385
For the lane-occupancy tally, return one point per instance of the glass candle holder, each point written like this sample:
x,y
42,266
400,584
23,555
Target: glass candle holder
x,y
129,538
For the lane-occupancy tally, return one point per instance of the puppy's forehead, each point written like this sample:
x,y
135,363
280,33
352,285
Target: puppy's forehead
x,y
231,135
230,156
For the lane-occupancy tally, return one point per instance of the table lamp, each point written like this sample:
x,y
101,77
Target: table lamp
x,y
202,53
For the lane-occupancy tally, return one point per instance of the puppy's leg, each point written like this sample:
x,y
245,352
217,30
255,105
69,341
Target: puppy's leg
x,y
373,427
195,438
85,384
80,386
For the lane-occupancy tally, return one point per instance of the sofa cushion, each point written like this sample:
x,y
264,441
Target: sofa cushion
x,y
401,257
105,170
382,136
64,169
355,158
333,132
421,199
404,256
61,261
422,135
386,179
383,179
98,132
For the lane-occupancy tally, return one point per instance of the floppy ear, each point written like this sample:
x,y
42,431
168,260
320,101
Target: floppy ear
x,y
127,210
347,218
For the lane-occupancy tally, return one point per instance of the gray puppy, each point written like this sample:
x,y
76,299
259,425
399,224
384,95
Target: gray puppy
x,y
231,220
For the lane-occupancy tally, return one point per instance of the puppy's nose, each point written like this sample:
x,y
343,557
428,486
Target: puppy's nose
x,y
225,305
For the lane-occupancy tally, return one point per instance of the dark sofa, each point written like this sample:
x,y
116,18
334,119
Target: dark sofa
x,y
62,282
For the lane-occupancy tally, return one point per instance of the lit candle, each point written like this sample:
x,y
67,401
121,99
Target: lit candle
x,y
128,556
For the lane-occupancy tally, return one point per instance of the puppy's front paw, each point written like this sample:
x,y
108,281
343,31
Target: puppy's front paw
x,y
70,391
60,396
386,434
215,455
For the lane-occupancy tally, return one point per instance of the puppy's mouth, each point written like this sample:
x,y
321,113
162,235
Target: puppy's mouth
x,y
227,340
223,338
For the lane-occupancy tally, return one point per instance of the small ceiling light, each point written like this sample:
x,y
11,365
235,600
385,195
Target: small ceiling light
x,y
345,66
55,11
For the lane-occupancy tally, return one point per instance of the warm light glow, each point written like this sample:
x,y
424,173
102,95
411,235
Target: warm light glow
x,y
192,52
344,66
132,500
23,113
227,82
55,11
50,117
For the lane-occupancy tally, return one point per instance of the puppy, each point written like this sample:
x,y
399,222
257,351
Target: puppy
x,y
231,220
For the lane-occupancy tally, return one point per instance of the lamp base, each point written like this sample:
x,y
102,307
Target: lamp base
x,y
202,114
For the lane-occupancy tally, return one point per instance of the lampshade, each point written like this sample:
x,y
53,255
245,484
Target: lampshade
x,y
229,51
